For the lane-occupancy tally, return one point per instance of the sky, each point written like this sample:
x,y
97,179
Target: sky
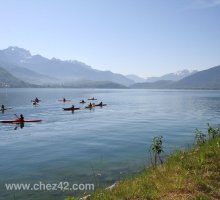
x,y
143,37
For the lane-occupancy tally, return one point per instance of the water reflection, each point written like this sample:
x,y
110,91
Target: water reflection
x,y
19,125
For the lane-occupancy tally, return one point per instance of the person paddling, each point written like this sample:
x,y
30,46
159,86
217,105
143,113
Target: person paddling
x,y
36,100
64,99
20,118
3,107
101,104
82,101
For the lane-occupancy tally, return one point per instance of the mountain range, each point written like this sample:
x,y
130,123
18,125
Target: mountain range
x,y
19,68
8,80
206,79
172,76
36,69
167,77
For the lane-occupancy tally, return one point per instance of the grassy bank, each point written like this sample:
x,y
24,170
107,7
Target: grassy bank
x,y
186,174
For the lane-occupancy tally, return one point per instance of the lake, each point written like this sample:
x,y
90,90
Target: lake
x,y
98,146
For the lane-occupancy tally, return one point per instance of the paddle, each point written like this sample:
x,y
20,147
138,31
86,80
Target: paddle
x,y
16,116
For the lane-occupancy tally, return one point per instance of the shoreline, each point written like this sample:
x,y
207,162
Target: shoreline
x,y
185,174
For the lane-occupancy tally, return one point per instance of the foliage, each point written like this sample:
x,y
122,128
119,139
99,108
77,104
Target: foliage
x,y
213,132
186,174
199,136
156,149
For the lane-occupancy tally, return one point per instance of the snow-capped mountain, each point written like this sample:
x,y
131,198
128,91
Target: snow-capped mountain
x,y
205,79
172,76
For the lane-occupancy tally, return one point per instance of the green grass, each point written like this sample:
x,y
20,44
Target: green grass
x,y
187,174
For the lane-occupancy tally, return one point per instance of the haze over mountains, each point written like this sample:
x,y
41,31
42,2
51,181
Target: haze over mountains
x,y
8,80
168,77
39,70
172,76
136,78
206,79
18,68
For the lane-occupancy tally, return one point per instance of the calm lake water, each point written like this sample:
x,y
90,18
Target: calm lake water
x,y
98,146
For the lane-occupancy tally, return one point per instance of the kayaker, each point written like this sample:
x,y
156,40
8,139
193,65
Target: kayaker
x,y
82,101
36,100
90,104
73,107
2,107
64,100
101,104
21,118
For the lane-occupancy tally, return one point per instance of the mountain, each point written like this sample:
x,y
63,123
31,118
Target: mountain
x,y
206,79
56,70
135,78
8,80
162,84
94,84
28,75
173,76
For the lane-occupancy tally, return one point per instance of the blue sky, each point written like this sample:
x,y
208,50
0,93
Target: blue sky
x,y
143,37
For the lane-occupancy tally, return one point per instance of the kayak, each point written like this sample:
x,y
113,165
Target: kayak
x,y
82,102
63,100
71,109
18,121
90,107
5,109
92,99
101,105
35,101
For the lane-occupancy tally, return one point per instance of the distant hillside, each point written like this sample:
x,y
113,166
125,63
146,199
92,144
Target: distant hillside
x,y
172,76
136,78
94,84
206,79
27,75
54,70
163,84
8,80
